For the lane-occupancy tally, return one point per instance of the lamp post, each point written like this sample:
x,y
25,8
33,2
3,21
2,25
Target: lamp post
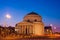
x,y
54,29
8,17
51,25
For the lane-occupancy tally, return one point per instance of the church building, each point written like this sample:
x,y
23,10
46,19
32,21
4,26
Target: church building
x,y
30,25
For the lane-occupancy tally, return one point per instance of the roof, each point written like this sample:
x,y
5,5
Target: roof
x,y
23,22
47,27
32,13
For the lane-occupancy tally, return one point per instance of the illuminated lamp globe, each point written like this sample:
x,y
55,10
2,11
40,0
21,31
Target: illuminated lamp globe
x,y
8,16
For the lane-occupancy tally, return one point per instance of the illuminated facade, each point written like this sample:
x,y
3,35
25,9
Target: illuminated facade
x,y
31,25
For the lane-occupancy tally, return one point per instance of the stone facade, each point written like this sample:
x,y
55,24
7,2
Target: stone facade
x,y
31,24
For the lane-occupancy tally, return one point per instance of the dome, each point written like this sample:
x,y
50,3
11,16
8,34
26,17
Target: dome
x,y
32,17
32,13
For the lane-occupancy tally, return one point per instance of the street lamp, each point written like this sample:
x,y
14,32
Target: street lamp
x,y
8,16
54,27
54,30
51,25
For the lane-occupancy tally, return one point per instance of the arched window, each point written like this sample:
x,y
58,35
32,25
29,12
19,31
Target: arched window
x,y
35,20
28,20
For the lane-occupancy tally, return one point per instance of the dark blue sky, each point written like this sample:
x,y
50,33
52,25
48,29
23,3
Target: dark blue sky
x,y
48,9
